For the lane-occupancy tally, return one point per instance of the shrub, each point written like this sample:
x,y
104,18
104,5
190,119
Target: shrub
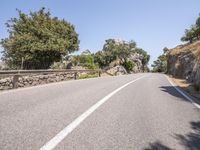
x,y
85,76
129,65
89,65
9,68
84,60
196,87
58,65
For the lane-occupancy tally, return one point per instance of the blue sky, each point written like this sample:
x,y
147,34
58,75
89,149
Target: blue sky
x,y
153,24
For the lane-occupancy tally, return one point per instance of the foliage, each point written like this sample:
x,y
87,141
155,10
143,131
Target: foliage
x,y
193,33
129,65
146,57
160,65
196,87
84,60
119,50
58,65
103,58
39,39
165,50
85,76
8,68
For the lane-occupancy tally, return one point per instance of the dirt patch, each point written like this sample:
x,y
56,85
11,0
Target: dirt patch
x,y
186,86
105,74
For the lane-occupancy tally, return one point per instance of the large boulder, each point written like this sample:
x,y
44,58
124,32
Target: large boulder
x,y
117,70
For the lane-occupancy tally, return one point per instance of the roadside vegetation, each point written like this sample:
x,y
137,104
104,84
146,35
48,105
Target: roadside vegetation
x,y
85,76
160,65
193,33
120,53
192,89
85,60
182,62
38,40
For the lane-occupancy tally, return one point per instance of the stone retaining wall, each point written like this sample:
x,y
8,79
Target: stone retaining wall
x,y
32,80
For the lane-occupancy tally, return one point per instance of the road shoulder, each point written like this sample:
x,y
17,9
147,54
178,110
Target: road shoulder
x,y
185,90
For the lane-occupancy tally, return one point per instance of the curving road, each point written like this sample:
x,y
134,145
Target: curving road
x,y
131,112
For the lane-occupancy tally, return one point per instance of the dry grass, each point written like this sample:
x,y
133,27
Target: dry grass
x,y
193,48
188,87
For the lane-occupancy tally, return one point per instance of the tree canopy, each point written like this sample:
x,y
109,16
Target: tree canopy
x,y
38,39
113,50
85,60
119,50
193,33
160,65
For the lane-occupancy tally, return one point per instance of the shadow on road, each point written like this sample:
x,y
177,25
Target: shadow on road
x,y
191,141
157,146
171,90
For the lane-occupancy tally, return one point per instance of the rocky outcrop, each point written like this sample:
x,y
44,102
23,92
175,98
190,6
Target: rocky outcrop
x,y
137,59
116,67
184,62
117,70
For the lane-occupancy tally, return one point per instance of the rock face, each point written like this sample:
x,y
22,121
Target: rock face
x,y
137,59
117,70
184,62
116,67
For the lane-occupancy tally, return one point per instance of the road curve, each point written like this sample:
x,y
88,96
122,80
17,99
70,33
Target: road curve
x,y
148,114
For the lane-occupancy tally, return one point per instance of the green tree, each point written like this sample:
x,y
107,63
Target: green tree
x,y
38,39
128,65
145,58
103,58
165,50
193,33
120,51
160,65
84,60
190,35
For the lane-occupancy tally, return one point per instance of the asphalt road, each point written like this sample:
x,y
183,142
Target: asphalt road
x,y
146,114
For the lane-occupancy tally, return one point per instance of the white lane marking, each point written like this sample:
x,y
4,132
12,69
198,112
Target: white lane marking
x,y
182,93
62,134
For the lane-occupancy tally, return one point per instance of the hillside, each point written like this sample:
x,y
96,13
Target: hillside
x,y
184,62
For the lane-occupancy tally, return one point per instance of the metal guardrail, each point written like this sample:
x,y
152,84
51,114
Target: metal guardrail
x,y
17,73
22,72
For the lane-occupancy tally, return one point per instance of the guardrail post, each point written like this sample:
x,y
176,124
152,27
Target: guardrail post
x,y
99,73
15,81
75,75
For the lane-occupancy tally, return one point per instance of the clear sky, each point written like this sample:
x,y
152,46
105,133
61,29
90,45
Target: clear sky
x,y
153,24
